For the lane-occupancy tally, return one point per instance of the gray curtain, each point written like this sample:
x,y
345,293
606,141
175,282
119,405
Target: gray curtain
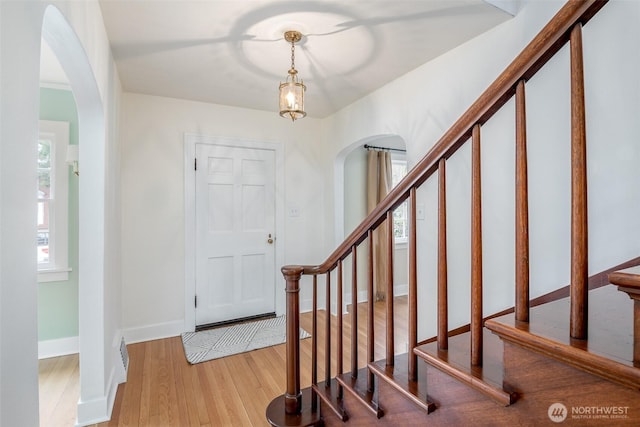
x,y
378,186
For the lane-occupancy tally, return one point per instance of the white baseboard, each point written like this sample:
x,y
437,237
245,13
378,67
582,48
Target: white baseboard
x,y
398,290
154,332
99,410
306,305
58,347
96,410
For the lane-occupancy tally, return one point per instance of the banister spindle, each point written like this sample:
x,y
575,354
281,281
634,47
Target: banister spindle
x,y
314,339
579,237
327,333
370,329
339,325
413,288
389,299
293,395
443,318
314,333
354,311
476,250
522,208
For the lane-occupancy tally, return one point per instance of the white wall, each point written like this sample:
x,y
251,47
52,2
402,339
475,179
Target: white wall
x,y
437,93
78,34
153,226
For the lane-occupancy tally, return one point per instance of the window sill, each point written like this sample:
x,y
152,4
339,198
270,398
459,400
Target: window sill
x,y
402,244
53,275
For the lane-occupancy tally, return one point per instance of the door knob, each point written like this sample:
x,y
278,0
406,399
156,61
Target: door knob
x,y
270,240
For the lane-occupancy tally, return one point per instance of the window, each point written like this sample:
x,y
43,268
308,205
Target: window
x,y
53,188
400,215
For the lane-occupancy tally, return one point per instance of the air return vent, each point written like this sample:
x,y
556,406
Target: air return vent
x,y
125,355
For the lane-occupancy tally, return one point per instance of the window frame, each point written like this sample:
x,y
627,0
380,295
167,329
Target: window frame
x,y
397,158
57,268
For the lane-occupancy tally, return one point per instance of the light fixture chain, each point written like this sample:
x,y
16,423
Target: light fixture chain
x,y
293,50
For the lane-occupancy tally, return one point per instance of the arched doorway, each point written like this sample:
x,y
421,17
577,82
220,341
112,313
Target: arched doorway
x,y
61,38
350,198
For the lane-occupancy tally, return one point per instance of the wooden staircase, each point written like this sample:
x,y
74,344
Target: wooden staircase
x,y
574,358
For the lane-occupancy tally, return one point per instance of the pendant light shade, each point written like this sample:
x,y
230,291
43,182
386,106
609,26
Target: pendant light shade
x,y
292,90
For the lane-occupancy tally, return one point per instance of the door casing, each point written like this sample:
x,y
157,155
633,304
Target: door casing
x,y
190,141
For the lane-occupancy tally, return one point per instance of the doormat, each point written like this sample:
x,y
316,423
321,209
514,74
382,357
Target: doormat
x,y
229,340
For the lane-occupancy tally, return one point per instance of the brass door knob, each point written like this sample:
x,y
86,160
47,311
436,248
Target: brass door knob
x,y
270,240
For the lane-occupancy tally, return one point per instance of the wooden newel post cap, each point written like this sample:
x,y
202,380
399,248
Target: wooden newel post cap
x,y
292,272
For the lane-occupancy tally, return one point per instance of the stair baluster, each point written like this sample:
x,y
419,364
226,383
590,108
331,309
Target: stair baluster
x,y
522,208
476,250
390,353
354,311
579,238
327,332
413,289
443,320
339,355
370,329
314,341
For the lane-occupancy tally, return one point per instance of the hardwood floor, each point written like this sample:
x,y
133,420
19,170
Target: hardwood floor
x,y
59,389
162,389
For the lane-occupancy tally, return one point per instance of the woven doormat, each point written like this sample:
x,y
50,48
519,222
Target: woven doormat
x,y
229,340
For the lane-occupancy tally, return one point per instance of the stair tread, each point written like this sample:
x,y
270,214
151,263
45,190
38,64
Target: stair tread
x,y
358,388
331,396
456,361
628,277
608,352
398,377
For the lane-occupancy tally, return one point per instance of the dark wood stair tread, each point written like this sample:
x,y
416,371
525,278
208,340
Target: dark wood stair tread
x,y
456,361
626,277
628,280
358,388
332,397
608,352
398,377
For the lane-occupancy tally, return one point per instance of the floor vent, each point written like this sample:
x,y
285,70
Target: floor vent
x,y
125,355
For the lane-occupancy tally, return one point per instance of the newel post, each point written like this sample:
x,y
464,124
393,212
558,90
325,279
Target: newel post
x,y
293,396
287,409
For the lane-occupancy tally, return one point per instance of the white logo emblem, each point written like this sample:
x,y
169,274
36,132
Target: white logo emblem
x,y
557,412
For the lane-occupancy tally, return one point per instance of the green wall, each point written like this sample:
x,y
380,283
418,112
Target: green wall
x,y
58,301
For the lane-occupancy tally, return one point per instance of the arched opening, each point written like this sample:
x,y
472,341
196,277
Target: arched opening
x,y
349,163
56,31
350,203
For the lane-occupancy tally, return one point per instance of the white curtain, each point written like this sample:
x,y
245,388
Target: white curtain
x,y
378,186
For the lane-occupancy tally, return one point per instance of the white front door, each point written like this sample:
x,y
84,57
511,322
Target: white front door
x,y
235,226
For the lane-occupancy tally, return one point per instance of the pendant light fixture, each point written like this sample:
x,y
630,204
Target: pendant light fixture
x,y
292,90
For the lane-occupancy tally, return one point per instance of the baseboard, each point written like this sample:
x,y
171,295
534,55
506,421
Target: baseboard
x,y
398,291
93,411
99,410
154,332
306,305
58,347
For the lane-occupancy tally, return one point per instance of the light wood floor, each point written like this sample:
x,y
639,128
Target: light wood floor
x,y
162,389
59,385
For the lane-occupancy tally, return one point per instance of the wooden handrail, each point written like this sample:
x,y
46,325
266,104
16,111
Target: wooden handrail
x,y
566,25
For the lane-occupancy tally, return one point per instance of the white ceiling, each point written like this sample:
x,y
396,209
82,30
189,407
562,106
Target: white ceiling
x,y
233,52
